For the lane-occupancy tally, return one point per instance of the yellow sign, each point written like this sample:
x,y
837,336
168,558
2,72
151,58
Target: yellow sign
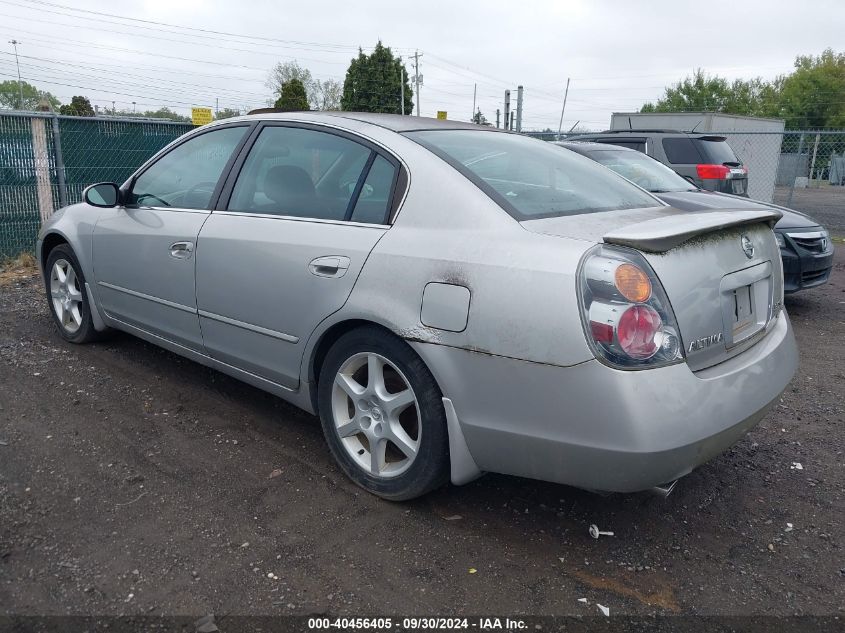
x,y
441,114
201,116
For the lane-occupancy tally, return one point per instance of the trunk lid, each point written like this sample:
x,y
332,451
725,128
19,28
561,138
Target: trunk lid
x,y
721,270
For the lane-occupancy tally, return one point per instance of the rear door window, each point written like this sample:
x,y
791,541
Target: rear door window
x,y
300,172
682,151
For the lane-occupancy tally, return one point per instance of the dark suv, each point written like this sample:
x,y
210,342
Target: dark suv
x,y
704,159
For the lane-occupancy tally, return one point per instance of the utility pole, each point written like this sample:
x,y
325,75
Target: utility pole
x,y
498,112
417,78
216,106
507,109
519,108
15,43
563,109
133,107
402,88
113,109
474,91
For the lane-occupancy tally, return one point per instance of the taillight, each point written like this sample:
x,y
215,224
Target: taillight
x,y
713,172
627,317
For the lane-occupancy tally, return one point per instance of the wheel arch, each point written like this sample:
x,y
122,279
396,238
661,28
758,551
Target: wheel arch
x,y
49,242
324,343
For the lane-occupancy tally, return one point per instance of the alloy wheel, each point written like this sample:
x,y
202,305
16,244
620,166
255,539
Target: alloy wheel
x,y
66,295
376,415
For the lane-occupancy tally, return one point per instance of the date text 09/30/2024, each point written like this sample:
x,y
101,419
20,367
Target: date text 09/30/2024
x,y
417,623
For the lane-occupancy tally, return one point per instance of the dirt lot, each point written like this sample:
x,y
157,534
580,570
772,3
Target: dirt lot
x,y
824,203
136,482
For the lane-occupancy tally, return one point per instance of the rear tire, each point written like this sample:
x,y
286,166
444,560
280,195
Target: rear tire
x,y
382,415
67,297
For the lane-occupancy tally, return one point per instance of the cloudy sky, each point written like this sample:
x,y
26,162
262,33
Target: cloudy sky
x,y
618,54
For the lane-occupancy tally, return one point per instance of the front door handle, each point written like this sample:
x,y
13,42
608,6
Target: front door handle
x,y
329,266
182,250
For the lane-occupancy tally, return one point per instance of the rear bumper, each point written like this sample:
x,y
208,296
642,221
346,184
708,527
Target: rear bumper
x,y
599,428
805,270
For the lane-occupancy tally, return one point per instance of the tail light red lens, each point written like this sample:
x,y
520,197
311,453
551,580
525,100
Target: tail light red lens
x,y
638,331
713,172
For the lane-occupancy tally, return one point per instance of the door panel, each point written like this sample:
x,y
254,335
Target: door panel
x,y
144,252
258,297
139,280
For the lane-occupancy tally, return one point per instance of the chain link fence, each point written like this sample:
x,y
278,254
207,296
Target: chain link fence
x,y
47,160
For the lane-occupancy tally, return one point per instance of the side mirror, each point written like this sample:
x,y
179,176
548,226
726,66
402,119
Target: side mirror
x,y
103,194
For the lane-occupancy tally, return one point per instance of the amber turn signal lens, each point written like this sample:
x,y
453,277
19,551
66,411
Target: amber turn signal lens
x,y
633,283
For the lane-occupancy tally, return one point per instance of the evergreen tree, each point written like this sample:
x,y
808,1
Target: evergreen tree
x,y
292,97
374,83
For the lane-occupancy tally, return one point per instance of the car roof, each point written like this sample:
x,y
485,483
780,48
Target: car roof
x,y
645,132
395,122
586,146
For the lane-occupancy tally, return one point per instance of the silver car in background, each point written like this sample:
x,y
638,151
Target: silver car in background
x,y
449,299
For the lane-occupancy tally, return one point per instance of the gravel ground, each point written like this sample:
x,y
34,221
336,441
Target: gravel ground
x,y
824,203
135,482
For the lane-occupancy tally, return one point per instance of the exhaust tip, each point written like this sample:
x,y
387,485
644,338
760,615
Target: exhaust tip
x,y
664,490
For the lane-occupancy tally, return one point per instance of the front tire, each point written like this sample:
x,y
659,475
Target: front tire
x,y
382,415
67,297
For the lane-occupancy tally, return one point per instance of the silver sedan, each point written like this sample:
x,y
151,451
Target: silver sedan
x,y
449,299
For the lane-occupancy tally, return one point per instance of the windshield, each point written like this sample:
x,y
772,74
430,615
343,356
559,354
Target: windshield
x,y
646,172
532,179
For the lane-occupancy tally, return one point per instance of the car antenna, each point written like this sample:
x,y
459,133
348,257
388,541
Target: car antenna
x,y
695,126
630,127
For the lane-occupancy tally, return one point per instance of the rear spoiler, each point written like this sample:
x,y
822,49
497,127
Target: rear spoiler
x,y
662,234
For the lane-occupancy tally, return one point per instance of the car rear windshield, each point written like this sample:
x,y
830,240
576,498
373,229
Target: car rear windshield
x,y
640,169
692,151
533,179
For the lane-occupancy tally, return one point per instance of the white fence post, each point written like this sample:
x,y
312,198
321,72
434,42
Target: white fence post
x,y
41,161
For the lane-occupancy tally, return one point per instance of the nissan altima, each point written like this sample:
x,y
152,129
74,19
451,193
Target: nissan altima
x,y
449,299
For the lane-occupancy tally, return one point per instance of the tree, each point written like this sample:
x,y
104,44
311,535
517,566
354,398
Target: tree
x,y
227,113
480,119
292,97
165,113
813,95
32,96
322,95
78,106
706,93
373,83
328,95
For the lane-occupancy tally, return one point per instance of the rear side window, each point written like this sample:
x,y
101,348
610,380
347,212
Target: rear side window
x,y
533,179
681,151
374,199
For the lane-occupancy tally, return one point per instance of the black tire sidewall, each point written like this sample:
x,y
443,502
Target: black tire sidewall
x,y
86,331
430,468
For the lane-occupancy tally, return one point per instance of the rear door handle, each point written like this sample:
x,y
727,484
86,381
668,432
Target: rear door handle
x,y
329,266
182,250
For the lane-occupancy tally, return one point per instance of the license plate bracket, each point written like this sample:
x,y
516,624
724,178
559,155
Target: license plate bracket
x,y
746,302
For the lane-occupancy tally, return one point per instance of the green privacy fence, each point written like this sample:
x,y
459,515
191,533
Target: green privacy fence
x,y
47,160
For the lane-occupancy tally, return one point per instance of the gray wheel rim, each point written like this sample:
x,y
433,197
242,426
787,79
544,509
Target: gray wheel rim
x,y
66,296
376,415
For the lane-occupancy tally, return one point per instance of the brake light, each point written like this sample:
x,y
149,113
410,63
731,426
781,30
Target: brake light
x,y
627,317
713,172
638,330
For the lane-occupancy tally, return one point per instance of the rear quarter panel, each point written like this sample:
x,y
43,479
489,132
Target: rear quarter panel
x,y
522,285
